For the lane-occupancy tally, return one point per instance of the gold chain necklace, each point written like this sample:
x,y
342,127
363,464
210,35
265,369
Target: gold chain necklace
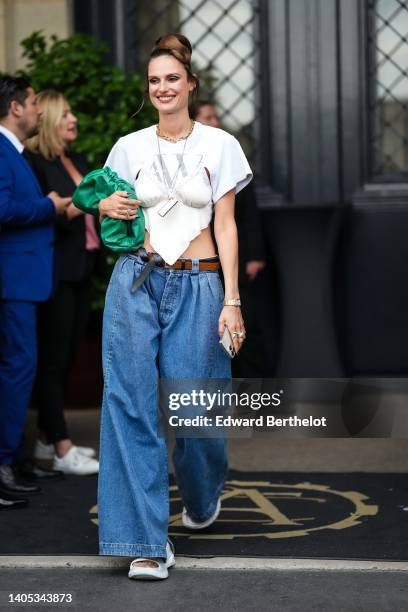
x,y
160,135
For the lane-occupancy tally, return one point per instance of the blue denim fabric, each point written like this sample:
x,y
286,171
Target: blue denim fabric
x,y
167,328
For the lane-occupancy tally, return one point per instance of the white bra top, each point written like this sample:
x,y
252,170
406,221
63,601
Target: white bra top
x,y
194,191
180,172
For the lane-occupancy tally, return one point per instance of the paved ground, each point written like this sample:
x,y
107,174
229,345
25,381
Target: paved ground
x,y
203,590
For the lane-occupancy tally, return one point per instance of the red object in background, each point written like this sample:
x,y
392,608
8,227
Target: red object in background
x,y
85,382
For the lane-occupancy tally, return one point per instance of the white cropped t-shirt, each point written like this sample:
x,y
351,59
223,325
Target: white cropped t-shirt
x,y
135,158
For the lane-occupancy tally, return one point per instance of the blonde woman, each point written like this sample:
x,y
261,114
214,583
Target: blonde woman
x,y
62,319
164,312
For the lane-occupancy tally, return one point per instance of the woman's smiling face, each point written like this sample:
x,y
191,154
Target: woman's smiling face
x,y
169,86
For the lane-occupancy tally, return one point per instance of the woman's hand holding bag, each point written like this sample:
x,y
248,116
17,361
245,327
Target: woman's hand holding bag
x,y
125,232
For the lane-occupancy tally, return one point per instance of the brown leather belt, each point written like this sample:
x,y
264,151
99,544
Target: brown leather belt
x,y
211,263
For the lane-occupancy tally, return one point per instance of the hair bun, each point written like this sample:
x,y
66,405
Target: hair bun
x,y
178,44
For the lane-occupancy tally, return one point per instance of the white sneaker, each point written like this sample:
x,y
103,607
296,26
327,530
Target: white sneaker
x,y
74,462
137,572
46,451
192,524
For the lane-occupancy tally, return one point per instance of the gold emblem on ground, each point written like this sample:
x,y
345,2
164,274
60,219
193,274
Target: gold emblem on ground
x,y
274,510
277,510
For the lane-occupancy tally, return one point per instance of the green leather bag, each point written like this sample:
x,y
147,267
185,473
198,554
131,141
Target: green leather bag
x,y
117,235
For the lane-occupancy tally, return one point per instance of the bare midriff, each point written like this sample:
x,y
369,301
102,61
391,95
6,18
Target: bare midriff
x,y
201,247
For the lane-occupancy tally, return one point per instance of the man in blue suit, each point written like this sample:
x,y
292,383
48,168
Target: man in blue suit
x,y
26,259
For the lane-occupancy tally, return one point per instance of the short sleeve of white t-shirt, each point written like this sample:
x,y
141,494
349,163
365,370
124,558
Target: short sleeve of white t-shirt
x,y
120,161
227,164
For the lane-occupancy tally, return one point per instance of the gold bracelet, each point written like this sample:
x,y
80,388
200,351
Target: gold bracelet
x,y
236,302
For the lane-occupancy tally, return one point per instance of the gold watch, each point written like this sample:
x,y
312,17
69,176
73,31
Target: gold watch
x,y
236,302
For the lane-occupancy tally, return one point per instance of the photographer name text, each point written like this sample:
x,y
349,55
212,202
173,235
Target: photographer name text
x,y
259,421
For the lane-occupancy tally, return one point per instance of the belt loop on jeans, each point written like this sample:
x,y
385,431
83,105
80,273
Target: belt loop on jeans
x,y
195,266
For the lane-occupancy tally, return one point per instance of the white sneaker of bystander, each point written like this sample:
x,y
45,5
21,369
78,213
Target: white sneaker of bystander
x,y
47,451
74,462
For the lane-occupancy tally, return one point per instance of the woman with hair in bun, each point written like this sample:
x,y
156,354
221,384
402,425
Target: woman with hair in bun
x,y
164,313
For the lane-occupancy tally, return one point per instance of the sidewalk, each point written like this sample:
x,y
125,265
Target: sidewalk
x,y
200,591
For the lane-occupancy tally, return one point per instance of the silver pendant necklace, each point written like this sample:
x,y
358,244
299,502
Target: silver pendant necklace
x,y
165,206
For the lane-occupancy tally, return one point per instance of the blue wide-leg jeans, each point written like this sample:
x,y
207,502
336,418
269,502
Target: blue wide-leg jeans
x,y
167,328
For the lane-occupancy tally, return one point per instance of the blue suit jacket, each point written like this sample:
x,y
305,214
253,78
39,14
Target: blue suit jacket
x,y
26,230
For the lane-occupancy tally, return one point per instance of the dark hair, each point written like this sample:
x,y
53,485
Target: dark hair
x,y
12,88
179,47
198,105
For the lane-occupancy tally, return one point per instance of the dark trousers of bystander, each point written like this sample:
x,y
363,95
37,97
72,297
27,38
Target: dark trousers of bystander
x,y
61,324
18,357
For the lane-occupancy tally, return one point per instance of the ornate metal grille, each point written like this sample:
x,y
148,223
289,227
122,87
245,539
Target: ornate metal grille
x,y
388,79
224,35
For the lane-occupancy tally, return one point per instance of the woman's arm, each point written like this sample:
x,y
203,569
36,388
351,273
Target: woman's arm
x,y
226,236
